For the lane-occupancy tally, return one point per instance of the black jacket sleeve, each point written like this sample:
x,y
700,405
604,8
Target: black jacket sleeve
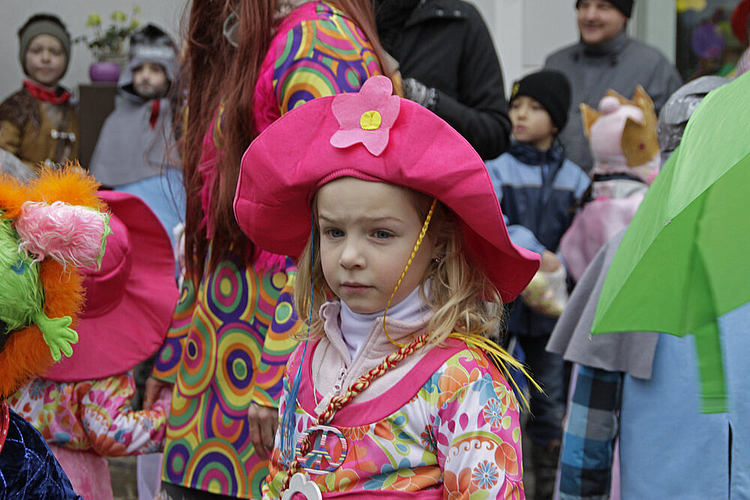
x,y
480,113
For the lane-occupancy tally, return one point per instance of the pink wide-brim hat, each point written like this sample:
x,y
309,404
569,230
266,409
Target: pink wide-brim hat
x,y
407,145
130,299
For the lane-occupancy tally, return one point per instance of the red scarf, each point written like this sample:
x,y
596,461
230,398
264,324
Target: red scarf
x,y
154,113
57,96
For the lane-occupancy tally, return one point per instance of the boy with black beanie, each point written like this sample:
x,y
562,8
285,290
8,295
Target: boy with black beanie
x,y
537,188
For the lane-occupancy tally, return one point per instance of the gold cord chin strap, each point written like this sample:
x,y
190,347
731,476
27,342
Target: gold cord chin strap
x,y
421,236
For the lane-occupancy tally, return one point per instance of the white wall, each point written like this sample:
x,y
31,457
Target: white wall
x,y
525,31
655,22
165,13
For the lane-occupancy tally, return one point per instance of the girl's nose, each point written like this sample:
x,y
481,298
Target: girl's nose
x,y
351,256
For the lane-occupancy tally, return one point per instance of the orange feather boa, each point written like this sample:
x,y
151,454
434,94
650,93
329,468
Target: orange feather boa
x,y
26,354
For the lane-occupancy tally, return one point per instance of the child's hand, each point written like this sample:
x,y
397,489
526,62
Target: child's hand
x,y
164,402
153,392
550,262
547,292
263,423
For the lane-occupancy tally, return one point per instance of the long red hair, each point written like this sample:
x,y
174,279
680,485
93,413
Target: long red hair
x,y
214,70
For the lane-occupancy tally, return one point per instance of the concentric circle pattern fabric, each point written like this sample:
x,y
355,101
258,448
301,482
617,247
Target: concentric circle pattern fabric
x,y
228,346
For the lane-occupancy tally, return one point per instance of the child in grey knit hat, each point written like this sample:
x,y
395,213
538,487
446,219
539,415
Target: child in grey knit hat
x,y
39,124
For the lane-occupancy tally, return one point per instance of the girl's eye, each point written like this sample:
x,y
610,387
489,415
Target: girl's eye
x,y
382,234
334,233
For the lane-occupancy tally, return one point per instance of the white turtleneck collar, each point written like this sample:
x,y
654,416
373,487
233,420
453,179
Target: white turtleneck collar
x,y
355,327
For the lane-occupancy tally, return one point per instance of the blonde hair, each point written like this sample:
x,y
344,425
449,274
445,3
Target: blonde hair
x,y
462,297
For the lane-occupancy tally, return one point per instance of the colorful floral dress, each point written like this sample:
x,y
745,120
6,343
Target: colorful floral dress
x,y
94,415
447,428
230,339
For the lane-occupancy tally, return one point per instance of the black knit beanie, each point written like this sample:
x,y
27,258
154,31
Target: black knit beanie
x,y
624,6
551,89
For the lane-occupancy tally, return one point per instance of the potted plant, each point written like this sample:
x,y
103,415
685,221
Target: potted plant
x,y
108,46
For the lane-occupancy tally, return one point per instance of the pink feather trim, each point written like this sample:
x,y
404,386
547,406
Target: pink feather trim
x,y
70,234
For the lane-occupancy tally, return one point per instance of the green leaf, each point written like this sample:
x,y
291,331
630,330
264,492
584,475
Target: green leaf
x,y
119,16
112,39
94,19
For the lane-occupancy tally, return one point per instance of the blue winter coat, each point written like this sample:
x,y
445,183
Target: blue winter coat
x,y
538,191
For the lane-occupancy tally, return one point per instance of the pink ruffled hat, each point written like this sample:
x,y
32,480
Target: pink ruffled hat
x,y
129,299
375,136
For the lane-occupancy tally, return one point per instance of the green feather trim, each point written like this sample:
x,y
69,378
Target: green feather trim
x,y
107,231
20,286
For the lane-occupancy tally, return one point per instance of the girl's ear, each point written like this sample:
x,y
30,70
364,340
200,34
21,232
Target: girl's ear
x,y
438,249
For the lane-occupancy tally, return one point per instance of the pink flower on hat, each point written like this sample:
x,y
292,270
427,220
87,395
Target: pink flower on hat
x,y
366,116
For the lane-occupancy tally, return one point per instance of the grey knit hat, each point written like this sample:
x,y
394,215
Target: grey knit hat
x,y
151,43
43,24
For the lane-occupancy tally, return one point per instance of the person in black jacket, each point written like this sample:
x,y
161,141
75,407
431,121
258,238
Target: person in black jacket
x,y
449,65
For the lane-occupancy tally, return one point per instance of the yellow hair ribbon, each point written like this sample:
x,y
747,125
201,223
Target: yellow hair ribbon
x,y
421,236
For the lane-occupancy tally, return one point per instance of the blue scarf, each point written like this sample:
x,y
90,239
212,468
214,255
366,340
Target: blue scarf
x,y
528,154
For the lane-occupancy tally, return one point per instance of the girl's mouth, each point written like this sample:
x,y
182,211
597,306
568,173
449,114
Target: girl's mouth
x,y
353,287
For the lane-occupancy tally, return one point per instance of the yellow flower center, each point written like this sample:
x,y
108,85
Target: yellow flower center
x,y
370,120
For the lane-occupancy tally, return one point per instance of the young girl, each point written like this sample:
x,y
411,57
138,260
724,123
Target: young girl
x,y
50,230
82,405
393,394
39,124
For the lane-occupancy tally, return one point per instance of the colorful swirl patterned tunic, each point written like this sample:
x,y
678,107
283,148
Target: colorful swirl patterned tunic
x,y
230,339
